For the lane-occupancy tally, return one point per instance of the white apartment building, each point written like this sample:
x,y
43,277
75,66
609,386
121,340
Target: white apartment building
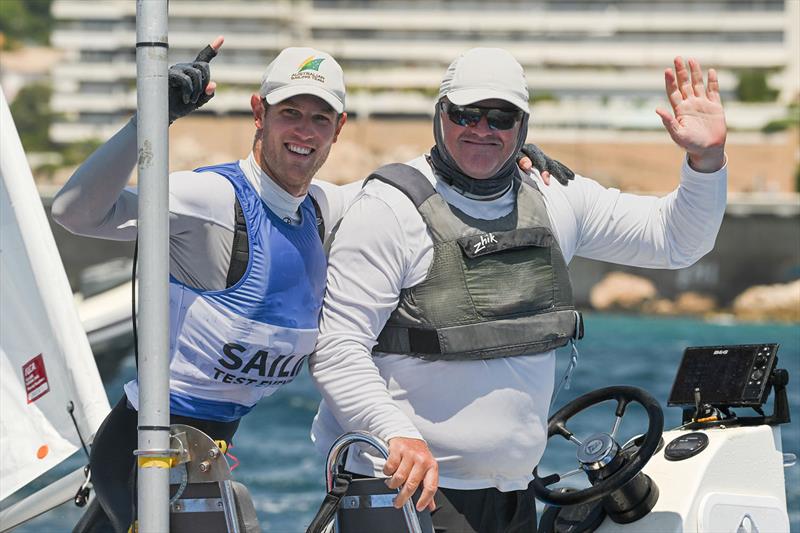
x,y
590,63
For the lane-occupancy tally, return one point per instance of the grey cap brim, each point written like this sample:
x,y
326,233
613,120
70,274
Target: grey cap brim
x,y
279,95
470,96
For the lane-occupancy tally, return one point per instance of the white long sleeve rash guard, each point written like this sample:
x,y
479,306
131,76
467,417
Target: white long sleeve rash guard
x,y
96,202
484,421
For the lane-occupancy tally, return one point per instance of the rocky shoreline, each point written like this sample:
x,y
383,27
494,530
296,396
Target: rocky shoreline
x,y
620,291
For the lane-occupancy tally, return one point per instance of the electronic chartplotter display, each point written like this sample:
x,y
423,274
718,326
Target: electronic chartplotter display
x,y
726,376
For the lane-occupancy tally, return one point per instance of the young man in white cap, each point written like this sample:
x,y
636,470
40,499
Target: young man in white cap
x,y
439,325
239,329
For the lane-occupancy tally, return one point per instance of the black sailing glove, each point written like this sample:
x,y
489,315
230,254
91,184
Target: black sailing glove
x,y
543,163
187,84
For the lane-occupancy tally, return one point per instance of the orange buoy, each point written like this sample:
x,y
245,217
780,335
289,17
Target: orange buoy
x,y
42,452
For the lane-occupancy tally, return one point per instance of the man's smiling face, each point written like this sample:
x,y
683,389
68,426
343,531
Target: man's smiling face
x,y
296,136
479,150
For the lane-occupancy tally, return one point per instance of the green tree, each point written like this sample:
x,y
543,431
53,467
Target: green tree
x,y
32,116
797,179
25,21
791,120
753,87
542,96
77,152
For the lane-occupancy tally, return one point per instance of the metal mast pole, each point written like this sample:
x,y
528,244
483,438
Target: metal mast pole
x,y
152,124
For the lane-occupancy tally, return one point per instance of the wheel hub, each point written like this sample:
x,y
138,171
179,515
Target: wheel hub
x,y
597,452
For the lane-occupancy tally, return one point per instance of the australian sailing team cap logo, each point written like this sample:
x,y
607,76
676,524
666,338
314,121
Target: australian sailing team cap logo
x,y
311,63
299,71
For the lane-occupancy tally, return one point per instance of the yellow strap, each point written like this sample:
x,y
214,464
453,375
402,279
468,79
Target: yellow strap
x,y
157,462
134,527
222,445
170,462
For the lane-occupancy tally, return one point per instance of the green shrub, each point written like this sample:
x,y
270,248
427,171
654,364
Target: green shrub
x,y
753,87
32,116
77,152
25,21
797,179
543,96
774,126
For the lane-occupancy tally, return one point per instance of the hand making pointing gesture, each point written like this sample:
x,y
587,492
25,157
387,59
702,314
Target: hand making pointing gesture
x,y
697,121
190,85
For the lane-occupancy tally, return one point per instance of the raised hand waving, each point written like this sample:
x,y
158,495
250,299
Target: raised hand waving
x,y
697,122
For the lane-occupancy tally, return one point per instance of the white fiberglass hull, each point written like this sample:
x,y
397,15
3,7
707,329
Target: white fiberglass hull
x,y
735,484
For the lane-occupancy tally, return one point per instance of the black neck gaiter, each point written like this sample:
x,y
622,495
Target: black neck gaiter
x,y
448,170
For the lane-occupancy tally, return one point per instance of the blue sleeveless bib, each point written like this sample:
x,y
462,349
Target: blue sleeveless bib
x,y
229,348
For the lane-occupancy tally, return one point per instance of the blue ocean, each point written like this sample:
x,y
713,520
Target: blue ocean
x,y
286,477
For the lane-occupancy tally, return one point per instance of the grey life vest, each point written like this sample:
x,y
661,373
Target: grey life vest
x,y
495,288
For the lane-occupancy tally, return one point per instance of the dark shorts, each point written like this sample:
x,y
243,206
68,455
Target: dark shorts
x,y
482,510
114,466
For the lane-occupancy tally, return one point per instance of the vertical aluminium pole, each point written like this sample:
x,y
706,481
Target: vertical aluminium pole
x,y
152,124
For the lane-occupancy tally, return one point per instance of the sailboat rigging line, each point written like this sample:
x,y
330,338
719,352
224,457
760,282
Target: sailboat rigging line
x,y
82,495
71,410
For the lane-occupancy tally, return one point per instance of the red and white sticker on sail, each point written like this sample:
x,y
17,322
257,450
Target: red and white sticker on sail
x,y
35,376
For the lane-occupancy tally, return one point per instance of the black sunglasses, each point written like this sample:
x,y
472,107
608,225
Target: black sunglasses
x,y
469,116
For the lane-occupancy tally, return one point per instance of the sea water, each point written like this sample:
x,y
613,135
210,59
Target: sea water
x,y
285,475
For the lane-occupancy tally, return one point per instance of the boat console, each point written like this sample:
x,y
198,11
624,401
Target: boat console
x,y
718,471
713,379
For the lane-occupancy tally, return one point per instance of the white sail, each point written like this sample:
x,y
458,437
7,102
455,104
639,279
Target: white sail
x,y
45,358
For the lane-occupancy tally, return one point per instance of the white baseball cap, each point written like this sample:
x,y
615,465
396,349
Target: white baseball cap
x,y
483,74
304,71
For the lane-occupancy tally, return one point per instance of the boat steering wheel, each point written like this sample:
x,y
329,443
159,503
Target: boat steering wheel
x,y
600,456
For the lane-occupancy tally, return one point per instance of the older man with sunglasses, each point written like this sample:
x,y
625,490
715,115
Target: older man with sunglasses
x,y
448,290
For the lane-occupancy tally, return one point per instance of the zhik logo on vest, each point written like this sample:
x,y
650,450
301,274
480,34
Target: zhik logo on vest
x,y
489,238
309,70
